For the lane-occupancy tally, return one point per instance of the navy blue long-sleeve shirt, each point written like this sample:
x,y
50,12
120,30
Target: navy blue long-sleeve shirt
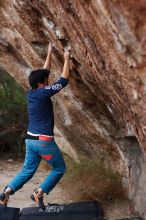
x,y
40,107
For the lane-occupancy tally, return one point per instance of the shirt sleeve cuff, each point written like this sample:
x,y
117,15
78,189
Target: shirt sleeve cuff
x,y
64,80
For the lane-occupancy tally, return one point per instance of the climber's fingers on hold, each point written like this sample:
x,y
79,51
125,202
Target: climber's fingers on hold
x,y
66,54
50,47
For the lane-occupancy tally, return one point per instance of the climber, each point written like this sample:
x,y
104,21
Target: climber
x,y
39,140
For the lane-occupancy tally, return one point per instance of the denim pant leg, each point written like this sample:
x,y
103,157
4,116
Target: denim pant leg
x,y
31,163
52,154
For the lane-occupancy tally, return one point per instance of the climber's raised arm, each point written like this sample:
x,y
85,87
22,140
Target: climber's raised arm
x,y
54,88
47,64
65,73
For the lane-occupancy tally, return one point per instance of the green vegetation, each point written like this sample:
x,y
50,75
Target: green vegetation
x,y
90,179
13,115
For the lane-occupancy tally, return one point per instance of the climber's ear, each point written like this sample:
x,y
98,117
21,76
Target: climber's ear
x,y
40,85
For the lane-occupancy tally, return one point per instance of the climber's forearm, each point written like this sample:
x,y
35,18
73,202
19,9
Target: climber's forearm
x,y
47,64
65,73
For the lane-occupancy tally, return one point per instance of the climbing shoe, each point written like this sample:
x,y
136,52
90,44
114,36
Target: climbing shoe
x,y
39,200
4,198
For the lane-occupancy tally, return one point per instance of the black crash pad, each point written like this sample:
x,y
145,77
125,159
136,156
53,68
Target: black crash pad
x,y
87,210
8,213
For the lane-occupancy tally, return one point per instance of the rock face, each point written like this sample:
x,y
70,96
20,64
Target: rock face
x,y
102,110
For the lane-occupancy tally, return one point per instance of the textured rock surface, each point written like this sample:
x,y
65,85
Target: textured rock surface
x,y
102,111
133,218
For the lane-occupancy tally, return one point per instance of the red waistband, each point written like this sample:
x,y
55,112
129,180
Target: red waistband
x,y
41,137
44,138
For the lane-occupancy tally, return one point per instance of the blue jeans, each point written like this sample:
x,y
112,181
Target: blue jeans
x,y
35,151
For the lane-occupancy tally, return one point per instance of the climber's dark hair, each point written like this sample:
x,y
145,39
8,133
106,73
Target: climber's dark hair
x,y
38,76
